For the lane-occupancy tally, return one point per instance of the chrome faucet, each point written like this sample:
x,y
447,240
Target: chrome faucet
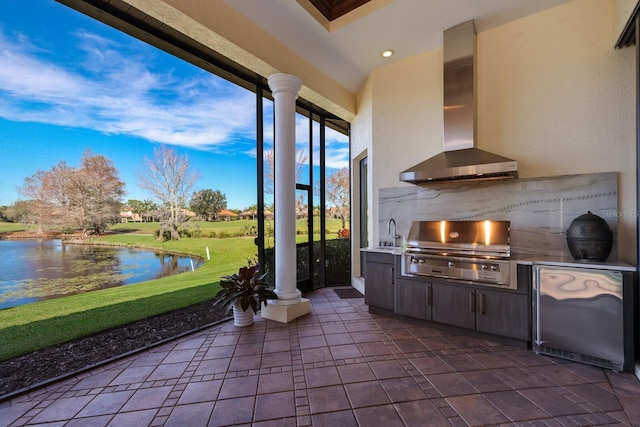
x,y
395,235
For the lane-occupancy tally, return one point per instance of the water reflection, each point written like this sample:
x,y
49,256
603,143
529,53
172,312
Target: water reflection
x,y
34,270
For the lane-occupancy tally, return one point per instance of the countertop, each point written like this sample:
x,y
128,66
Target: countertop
x,y
560,261
392,250
567,261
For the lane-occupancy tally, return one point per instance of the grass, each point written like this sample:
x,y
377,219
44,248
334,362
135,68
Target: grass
x,y
30,327
12,226
228,228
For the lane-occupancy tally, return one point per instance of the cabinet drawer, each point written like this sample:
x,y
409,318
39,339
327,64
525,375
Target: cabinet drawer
x,y
379,257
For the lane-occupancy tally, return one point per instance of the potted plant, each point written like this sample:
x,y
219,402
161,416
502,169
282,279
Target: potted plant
x,y
244,290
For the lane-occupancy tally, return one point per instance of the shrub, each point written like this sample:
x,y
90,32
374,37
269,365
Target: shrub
x,y
344,234
166,235
338,262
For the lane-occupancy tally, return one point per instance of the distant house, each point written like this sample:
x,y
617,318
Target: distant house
x,y
253,214
227,215
188,213
130,216
248,215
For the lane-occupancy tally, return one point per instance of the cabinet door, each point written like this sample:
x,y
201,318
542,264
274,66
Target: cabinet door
x,y
504,314
454,305
413,298
378,285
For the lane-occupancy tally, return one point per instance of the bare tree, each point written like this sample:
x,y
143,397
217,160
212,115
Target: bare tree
x,y
337,193
269,177
270,166
39,206
94,193
86,198
169,180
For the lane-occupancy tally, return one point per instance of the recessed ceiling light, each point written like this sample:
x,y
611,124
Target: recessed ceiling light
x,y
387,53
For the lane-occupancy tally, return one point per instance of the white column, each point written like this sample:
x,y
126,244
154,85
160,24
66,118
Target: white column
x,y
289,305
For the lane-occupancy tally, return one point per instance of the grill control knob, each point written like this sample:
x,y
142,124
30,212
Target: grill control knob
x,y
484,267
421,261
494,267
450,264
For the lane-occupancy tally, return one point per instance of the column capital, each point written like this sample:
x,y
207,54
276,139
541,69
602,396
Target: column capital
x,y
284,83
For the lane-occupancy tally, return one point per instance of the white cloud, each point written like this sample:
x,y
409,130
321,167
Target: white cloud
x,y
112,91
336,144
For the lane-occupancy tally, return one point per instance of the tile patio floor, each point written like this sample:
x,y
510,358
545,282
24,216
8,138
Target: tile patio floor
x,y
338,366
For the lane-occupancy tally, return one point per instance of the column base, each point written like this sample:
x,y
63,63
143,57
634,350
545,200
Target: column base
x,y
286,312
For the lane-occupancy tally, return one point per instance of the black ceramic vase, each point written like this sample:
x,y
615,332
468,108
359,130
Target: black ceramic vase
x,y
590,238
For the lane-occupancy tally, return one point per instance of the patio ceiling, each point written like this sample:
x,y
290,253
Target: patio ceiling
x,y
348,45
343,39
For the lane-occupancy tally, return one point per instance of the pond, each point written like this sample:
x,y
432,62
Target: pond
x,y
35,270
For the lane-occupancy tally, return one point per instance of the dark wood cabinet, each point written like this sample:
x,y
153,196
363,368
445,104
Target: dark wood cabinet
x,y
502,313
413,298
454,305
379,280
496,312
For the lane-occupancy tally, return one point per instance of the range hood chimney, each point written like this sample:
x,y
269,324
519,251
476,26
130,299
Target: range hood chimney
x,y
461,160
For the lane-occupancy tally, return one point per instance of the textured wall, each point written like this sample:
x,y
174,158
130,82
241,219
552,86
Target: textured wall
x,y
540,209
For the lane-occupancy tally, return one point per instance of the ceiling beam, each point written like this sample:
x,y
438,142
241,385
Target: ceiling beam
x,y
334,9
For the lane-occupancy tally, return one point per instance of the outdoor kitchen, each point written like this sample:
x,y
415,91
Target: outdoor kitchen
x,y
465,255
493,269
473,245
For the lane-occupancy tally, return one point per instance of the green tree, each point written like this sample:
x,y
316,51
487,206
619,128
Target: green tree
x,y
150,209
18,212
135,205
208,203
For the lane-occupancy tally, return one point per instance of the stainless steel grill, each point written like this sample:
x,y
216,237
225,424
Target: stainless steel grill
x,y
470,251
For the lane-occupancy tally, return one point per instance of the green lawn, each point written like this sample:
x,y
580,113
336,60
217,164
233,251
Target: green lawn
x,y
11,226
30,327
34,326
228,228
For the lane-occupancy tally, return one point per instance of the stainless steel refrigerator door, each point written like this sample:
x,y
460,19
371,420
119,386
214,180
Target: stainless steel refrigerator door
x,y
579,310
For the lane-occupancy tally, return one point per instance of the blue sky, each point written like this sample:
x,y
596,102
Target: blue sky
x,y
68,83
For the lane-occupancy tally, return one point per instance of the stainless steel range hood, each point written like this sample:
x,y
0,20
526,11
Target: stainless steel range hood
x,y
461,160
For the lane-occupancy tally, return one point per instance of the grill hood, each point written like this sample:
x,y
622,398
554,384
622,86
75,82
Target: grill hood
x,y
460,160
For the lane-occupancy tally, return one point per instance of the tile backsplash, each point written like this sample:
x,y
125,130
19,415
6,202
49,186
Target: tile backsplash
x,y
540,209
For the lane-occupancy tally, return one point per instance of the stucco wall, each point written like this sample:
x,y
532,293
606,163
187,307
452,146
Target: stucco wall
x,y
360,147
553,94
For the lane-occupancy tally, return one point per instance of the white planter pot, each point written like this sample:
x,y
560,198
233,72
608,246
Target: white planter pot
x,y
240,317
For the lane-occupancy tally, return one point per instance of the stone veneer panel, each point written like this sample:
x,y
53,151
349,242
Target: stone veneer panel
x,y
540,209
